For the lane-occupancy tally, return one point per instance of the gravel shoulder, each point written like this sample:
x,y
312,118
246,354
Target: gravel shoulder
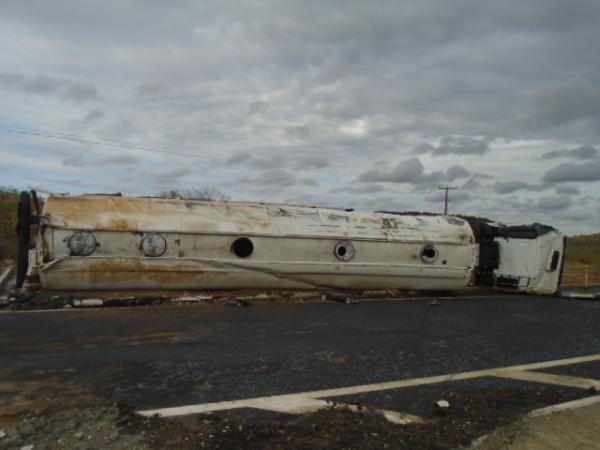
x,y
50,414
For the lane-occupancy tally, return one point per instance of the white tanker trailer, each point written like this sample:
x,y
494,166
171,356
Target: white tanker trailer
x,y
100,242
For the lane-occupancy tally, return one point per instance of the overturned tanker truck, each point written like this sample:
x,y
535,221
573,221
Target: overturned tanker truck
x,y
99,242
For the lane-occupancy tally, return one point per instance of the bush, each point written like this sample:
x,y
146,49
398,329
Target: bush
x,y
9,200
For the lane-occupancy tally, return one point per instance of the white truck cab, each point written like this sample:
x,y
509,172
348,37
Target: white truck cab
x,y
520,258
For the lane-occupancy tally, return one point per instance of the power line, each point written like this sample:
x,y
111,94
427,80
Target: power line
x,y
86,140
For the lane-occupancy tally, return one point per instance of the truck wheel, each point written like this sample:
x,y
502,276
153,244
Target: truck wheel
x,y
24,234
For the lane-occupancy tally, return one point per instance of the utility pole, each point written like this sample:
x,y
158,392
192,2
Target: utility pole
x,y
446,188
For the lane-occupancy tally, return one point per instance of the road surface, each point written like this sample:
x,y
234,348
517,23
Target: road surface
x,y
160,357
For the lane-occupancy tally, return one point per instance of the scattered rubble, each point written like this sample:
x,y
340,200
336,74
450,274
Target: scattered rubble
x,y
35,299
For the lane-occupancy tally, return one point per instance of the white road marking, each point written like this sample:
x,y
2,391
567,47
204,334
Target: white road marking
x,y
547,378
582,402
306,401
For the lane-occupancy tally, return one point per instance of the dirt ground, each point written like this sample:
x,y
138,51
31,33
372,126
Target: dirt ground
x,y
571,429
50,414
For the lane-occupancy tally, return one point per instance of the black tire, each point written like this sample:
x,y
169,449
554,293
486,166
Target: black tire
x,y
24,233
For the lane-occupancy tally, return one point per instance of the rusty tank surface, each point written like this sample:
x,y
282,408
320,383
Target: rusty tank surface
x,y
107,242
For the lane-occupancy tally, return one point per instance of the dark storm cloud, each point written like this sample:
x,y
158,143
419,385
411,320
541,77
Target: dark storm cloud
x,y
581,152
574,172
76,91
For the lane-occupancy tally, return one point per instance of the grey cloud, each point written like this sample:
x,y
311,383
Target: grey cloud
x,y
150,88
309,182
553,154
574,172
407,171
93,116
78,160
298,131
171,176
41,84
239,158
79,92
359,189
119,160
471,183
455,145
567,190
508,187
456,171
257,162
315,162
566,102
258,107
118,129
513,76
581,152
76,91
584,152
74,161
553,203
274,177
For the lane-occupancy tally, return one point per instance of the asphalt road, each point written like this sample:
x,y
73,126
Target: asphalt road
x,y
156,357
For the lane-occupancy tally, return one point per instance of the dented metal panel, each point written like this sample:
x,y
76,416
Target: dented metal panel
x,y
205,246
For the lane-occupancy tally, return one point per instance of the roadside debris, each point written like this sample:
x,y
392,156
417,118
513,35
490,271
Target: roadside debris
x,y
88,302
433,303
192,299
236,301
2,434
29,300
441,407
5,275
579,293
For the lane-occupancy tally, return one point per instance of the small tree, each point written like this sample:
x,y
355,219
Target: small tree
x,y
211,194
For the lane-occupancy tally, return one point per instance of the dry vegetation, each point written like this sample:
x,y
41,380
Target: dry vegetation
x,y
9,199
582,252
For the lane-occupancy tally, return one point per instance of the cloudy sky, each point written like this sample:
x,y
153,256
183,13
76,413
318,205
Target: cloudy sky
x,y
370,105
